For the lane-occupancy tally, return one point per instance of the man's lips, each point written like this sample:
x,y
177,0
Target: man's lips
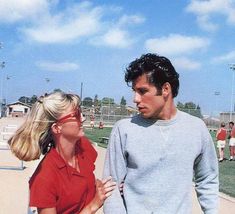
x,y
141,108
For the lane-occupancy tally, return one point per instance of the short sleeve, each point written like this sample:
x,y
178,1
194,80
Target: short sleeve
x,y
42,192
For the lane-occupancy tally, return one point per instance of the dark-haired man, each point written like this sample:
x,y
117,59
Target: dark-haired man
x,y
158,152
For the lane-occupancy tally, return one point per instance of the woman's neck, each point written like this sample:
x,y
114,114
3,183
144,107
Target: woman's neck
x,y
67,151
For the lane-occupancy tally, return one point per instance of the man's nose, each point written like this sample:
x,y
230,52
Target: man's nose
x,y
137,98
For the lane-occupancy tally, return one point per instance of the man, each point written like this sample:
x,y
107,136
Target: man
x,y
156,153
221,140
231,141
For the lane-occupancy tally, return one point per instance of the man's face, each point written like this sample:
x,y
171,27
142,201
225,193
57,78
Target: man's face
x,y
148,101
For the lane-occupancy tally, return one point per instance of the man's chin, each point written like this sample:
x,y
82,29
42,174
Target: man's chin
x,y
144,115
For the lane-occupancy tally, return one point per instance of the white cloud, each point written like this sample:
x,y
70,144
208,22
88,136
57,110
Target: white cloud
x,y
129,20
228,58
185,64
115,38
74,23
58,67
17,10
204,10
118,36
176,44
44,21
205,24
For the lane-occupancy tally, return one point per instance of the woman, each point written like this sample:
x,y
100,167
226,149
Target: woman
x,y
63,181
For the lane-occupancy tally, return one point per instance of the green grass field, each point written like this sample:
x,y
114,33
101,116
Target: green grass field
x,y
95,134
226,172
226,168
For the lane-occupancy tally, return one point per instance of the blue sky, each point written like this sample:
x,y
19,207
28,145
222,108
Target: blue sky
x,y
69,42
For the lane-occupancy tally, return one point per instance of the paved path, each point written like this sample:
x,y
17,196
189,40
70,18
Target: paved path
x,y
14,183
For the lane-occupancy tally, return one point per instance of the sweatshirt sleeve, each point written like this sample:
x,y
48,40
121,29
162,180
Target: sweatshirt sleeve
x,y
206,175
115,166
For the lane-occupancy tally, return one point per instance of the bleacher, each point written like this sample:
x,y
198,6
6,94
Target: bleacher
x,y
7,159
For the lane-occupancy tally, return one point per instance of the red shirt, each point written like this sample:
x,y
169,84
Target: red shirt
x,y
56,184
221,134
233,132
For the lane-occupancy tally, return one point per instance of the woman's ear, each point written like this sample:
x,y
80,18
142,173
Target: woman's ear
x,y
55,128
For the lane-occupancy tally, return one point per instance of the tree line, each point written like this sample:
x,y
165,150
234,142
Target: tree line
x,y
97,103
86,102
190,108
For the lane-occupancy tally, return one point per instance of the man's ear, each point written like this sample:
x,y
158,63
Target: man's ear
x,y
55,128
166,89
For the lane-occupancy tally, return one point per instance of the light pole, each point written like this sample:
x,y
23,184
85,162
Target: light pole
x,y
2,65
232,67
217,93
81,91
8,78
47,81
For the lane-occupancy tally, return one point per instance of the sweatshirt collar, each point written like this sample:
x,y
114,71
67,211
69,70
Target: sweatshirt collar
x,y
162,122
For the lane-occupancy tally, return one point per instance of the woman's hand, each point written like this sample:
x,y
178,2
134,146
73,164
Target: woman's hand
x,y
104,189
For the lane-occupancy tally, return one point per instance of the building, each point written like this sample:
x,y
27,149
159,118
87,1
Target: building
x,y
227,117
17,109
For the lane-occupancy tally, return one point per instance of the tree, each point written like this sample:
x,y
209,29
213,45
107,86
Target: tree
x,y
87,101
190,105
190,108
107,101
57,90
97,104
33,99
96,101
24,99
123,101
123,110
180,105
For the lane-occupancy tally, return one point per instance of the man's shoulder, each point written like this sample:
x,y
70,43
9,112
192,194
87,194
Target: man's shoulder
x,y
129,122
186,117
123,122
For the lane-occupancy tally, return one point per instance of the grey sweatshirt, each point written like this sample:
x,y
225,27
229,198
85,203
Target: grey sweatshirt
x,y
157,161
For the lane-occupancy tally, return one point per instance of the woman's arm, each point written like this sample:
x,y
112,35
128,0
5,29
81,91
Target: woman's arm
x,y
104,189
47,210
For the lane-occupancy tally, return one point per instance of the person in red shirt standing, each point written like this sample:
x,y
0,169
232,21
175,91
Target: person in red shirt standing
x,y
64,181
221,141
232,141
92,121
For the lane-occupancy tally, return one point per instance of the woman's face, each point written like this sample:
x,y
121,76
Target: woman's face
x,y
70,124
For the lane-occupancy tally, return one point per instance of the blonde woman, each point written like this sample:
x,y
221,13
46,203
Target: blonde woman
x,y
64,181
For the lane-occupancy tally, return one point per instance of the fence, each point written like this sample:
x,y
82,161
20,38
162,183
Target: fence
x,y
8,160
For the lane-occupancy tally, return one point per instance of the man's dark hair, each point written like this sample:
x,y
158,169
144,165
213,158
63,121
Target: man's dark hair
x,y
231,122
223,124
158,70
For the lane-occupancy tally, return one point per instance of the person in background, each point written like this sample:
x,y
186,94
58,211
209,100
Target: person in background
x,y
221,140
64,181
101,125
158,153
232,141
92,121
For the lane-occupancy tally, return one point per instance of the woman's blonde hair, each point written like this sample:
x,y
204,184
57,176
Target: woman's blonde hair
x,y
34,137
